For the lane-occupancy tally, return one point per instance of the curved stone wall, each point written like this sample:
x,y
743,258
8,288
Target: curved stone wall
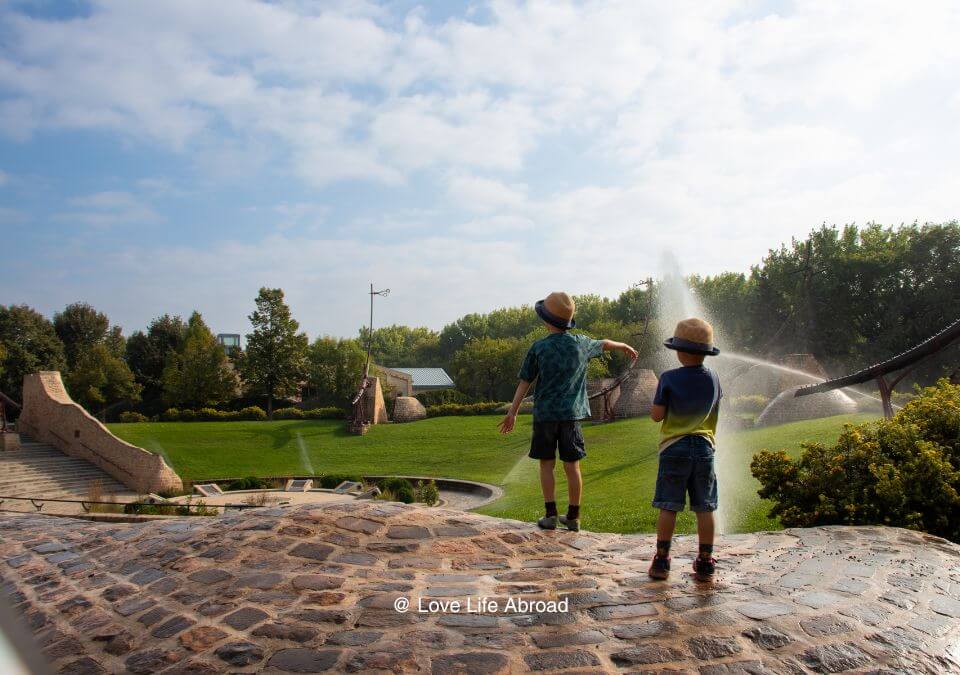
x,y
51,416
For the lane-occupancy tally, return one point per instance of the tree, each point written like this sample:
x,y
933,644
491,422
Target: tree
x,y
147,353
334,368
591,309
274,363
99,379
80,327
402,345
488,367
199,374
454,336
29,344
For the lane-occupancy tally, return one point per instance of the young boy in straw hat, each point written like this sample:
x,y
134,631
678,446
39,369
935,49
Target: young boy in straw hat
x,y
558,363
687,402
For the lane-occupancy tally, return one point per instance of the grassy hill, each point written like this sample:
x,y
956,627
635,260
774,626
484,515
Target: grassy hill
x,y
619,471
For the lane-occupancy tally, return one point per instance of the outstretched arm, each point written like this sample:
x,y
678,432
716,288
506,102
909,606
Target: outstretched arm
x,y
614,346
506,424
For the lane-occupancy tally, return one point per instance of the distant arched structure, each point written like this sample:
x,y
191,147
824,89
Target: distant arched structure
x,y
904,362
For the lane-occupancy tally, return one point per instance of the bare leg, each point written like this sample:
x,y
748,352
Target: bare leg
x,y
574,482
666,524
548,483
705,527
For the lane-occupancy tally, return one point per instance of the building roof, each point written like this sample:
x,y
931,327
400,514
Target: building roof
x,y
428,377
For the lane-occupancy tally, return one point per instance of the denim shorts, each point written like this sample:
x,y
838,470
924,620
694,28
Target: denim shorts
x,y
686,467
552,438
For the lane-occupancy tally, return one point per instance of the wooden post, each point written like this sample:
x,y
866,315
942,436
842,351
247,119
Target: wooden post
x,y
885,392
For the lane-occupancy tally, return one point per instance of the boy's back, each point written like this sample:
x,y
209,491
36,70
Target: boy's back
x,y
691,395
558,362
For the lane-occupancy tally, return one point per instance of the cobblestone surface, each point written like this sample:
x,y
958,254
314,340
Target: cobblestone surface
x,y
313,588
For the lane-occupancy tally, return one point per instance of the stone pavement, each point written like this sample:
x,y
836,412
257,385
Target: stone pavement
x,y
315,587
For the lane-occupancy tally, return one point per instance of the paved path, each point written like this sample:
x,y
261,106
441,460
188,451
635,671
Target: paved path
x,y
40,470
311,588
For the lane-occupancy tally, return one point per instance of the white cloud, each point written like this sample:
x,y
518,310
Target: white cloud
x,y
528,144
109,209
477,193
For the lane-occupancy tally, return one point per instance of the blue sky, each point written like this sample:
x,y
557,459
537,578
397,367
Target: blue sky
x,y
165,157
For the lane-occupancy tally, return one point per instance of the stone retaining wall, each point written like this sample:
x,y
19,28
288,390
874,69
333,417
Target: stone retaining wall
x,y
51,416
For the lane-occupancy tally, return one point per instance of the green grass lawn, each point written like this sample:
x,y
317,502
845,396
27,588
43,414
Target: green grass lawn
x,y
619,471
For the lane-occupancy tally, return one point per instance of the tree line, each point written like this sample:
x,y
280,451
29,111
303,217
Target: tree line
x,y
851,296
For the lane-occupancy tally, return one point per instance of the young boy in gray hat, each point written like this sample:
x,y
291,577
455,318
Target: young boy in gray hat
x,y
688,403
558,363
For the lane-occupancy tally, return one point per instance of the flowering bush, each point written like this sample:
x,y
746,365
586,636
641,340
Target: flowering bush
x,y
904,471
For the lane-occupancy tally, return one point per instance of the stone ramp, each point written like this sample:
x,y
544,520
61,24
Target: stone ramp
x,y
40,470
315,588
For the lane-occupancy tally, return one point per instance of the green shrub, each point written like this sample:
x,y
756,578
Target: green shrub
x,y
428,493
331,413
170,415
248,483
211,415
188,415
429,398
252,413
131,416
404,494
903,472
394,484
145,509
456,409
748,404
288,414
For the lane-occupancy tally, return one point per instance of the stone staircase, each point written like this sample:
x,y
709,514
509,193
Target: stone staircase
x,y
40,470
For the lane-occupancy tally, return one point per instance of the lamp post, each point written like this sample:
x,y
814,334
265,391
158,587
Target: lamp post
x,y
384,293
358,422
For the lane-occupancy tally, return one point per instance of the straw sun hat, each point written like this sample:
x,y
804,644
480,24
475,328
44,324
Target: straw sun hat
x,y
694,336
557,309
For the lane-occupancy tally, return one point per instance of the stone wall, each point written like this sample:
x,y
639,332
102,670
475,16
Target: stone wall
x,y
51,416
408,409
596,404
636,394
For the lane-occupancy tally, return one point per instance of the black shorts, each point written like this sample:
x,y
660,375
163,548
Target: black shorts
x,y
549,437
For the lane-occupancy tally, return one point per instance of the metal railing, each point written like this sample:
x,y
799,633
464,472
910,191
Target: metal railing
x,y
86,504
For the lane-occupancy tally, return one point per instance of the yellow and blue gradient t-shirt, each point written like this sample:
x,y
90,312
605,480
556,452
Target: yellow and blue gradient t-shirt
x,y
691,395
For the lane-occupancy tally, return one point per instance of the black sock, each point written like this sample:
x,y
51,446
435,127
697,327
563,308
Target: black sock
x,y
663,548
573,511
706,550
551,508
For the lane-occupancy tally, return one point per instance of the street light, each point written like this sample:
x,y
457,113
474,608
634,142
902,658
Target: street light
x,y
384,293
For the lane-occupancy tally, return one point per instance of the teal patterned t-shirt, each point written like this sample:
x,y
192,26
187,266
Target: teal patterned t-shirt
x,y
558,363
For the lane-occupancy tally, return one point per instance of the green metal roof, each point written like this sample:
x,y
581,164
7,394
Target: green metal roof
x,y
435,378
